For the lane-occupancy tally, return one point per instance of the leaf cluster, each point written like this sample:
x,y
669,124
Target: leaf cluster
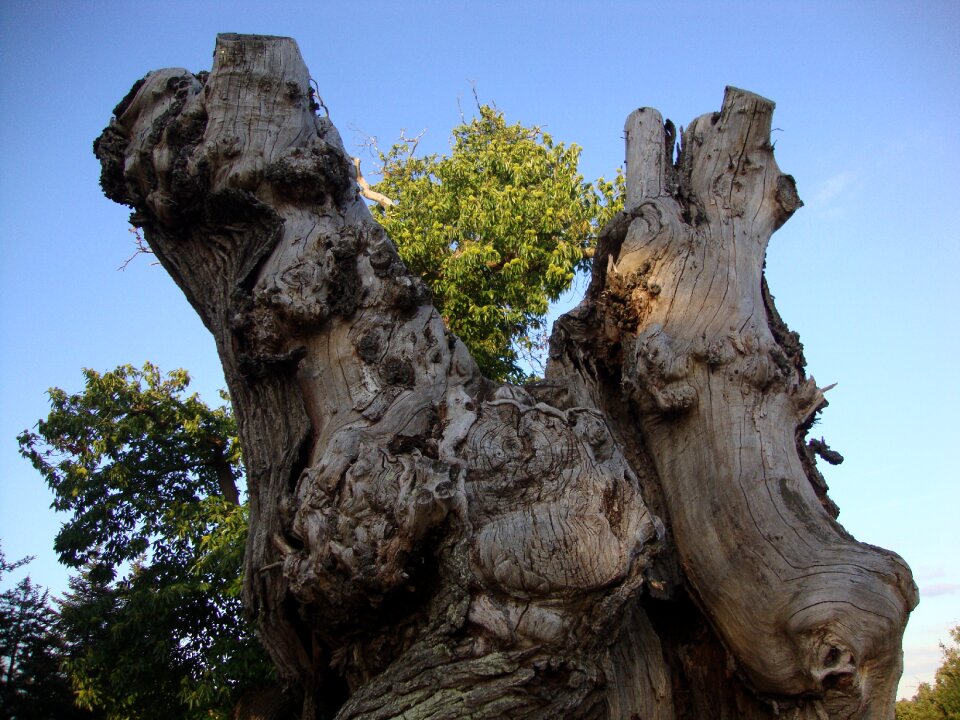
x,y
497,229
147,475
125,457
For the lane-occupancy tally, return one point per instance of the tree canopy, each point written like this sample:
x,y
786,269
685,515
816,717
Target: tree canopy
x,y
941,700
497,230
147,474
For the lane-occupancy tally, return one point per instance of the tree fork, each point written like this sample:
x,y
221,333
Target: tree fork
x,y
427,543
680,317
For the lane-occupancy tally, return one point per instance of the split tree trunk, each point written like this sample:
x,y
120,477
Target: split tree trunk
x,y
642,535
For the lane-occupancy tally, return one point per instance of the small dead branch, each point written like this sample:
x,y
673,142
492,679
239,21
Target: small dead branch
x,y
368,192
141,248
316,99
411,142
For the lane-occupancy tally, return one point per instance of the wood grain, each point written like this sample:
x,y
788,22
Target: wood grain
x,y
635,536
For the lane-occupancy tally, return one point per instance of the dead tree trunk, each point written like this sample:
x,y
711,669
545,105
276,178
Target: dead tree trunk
x,y
642,535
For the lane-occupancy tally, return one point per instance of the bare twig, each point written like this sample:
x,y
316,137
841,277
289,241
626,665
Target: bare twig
x,y
141,248
476,97
411,142
315,94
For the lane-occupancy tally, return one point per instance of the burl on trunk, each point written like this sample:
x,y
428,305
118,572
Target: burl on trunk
x,y
643,534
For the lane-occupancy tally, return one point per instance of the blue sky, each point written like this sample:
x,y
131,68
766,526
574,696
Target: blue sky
x,y
867,93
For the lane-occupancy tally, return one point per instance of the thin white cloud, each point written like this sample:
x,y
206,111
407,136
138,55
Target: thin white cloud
x,y
929,572
939,589
832,189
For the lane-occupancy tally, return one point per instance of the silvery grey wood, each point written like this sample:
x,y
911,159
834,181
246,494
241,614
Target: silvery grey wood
x,y
642,534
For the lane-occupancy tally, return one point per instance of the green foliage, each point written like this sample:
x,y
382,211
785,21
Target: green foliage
x,y
940,701
33,685
124,456
147,474
497,230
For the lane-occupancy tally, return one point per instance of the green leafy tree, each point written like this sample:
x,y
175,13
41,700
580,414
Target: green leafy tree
x,y
147,474
497,229
940,701
33,685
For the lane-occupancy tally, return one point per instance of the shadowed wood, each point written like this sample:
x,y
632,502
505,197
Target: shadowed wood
x,y
637,536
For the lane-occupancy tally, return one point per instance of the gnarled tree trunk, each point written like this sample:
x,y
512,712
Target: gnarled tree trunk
x,y
642,535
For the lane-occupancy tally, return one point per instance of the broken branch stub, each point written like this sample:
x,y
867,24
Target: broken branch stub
x,y
683,328
425,542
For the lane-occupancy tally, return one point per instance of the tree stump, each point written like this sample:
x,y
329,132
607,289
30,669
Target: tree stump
x,y
644,534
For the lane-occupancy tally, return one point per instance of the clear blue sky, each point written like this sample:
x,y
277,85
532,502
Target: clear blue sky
x,y
868,96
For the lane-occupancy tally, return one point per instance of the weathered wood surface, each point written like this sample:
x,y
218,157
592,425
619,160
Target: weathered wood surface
x,y
644,534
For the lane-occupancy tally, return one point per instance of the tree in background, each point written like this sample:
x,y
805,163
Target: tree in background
x,y
147,475
940,701
497,229
33,685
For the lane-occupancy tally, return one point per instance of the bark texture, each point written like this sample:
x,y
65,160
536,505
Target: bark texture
x,y
642,535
